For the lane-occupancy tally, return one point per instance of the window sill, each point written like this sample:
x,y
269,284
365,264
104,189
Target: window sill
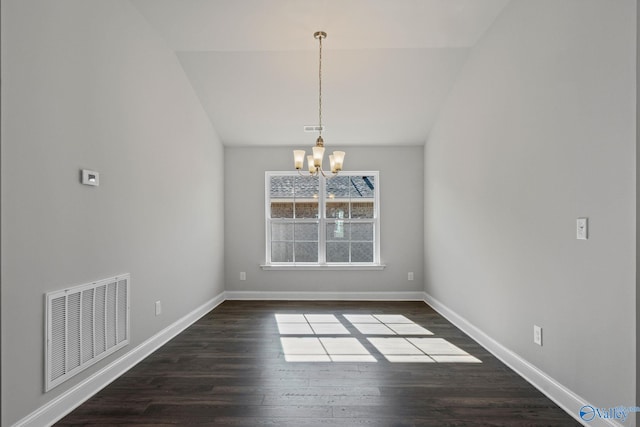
x,y
327,267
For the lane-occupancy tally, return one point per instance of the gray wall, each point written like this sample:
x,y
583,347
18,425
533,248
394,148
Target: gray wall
x,y
539,130
86,84
401,201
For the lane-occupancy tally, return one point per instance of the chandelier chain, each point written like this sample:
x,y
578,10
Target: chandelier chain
x,y
320,88
314,161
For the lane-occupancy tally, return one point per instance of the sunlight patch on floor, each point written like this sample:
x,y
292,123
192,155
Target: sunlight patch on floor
x,y
421,350
320,338
385,324
310,324
302,349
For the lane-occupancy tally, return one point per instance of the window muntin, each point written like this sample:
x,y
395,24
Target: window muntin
x,y
321,221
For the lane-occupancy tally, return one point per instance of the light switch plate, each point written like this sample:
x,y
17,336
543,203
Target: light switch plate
x,y
90,177
582,229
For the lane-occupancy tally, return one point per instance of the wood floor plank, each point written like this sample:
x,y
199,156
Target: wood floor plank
x,y
229,369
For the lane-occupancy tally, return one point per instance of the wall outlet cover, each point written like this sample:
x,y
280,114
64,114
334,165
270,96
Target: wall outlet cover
x,y
90,177
537,335
582,229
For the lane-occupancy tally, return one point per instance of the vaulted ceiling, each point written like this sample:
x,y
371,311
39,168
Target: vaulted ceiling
x,y
388,65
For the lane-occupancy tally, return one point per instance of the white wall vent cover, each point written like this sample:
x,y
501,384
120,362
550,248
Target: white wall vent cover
x,y
84,324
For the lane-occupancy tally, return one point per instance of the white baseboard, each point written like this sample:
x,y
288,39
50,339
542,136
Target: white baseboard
x,y
326,296
60,406
74,397
562,396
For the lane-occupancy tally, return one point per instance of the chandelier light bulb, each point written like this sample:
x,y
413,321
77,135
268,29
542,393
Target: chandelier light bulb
x,y
312,168
298,158
338,158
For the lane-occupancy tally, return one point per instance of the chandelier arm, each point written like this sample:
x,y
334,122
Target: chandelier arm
x,y
318,172
332,174
310,174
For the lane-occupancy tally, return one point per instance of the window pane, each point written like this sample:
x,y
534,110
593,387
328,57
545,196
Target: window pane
x,y
306,187
282,252
362,252
362,196
350,196
337,209
362,232
307,252
281,231
281,210
338,231
337,251
307,209
307,232
338,188
362,209
306,192
282,187
362,187
337,193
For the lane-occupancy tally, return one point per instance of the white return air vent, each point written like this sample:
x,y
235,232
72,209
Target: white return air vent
x,y
84,324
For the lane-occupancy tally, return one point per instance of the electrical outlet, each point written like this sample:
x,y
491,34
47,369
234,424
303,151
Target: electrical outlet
x,y
158,308
90,177
537,335
582,229
243,275
410,275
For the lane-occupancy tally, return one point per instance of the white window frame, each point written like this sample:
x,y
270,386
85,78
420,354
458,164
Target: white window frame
x,y
322,221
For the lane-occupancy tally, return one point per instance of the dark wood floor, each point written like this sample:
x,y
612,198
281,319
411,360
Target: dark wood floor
x,y
228,369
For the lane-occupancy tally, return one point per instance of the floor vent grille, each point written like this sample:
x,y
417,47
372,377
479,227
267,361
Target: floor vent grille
x,y
84,324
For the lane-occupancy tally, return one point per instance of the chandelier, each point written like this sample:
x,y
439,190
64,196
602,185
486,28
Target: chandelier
x,y
314,161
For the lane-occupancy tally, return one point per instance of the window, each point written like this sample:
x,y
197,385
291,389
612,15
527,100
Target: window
x,y
317,221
